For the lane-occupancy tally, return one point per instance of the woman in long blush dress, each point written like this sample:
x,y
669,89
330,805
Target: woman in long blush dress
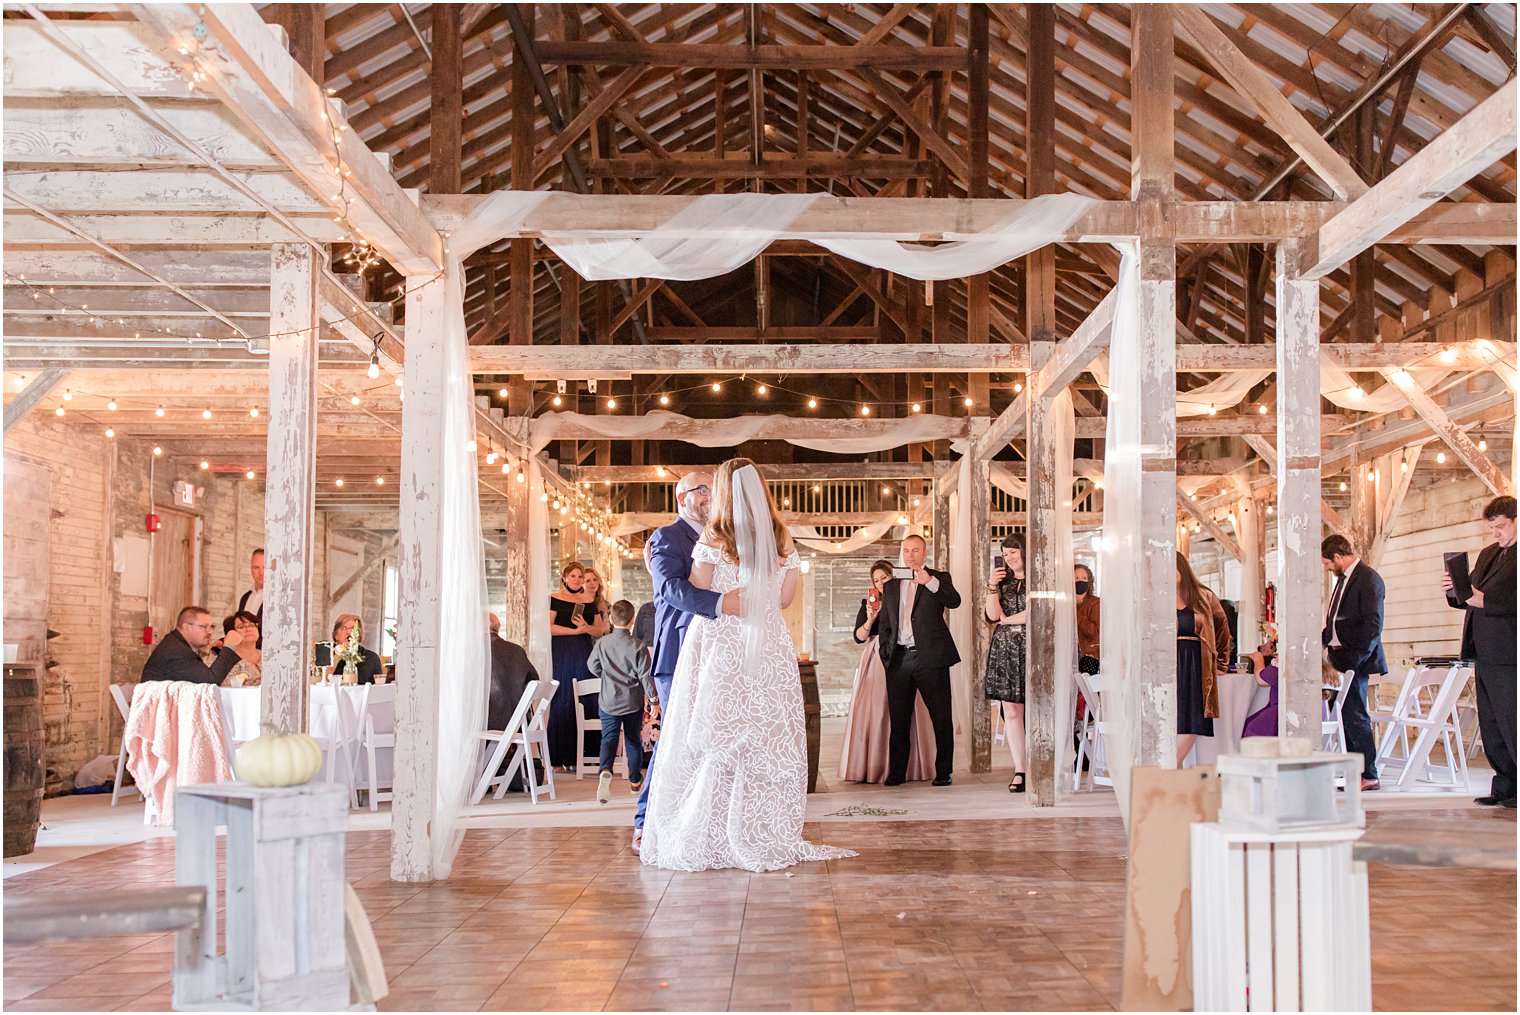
x,y
868,728
732,770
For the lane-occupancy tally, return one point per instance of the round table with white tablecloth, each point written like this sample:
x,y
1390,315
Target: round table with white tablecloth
x,y
1239,696
372,701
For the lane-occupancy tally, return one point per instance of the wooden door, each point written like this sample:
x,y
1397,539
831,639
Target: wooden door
x,y
176,554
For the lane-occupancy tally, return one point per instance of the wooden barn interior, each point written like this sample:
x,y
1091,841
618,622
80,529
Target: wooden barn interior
x,y
227,274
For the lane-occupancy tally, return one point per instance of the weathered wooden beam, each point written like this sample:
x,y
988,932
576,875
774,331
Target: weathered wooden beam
x,y
713,56
290,486
1476,142
730,168
1398,487
1226,541
584,120
811,471
1073,355
929,219
1298,496
29,397
1453,435
1258,90
371,564
258,81
446,113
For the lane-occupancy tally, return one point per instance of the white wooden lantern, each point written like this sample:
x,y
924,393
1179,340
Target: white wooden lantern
x,y
1278,785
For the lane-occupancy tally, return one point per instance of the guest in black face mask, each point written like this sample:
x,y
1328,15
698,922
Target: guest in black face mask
x,y
1088,625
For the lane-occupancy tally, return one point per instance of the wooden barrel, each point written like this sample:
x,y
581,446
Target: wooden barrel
x,y
25,762
812,712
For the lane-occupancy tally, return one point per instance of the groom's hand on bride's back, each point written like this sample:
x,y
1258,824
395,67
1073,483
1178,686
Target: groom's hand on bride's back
x,y
733,603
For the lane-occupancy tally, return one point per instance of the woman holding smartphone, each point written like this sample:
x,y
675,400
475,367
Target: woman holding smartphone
x,y
1005,605
573,622
868,729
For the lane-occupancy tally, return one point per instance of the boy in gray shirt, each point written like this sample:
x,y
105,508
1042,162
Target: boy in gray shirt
x,y
624,667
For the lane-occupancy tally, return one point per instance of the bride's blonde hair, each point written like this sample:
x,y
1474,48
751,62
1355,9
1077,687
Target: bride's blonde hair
x,y
720,523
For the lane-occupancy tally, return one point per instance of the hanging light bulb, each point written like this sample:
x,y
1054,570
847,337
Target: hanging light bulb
x,y
398,380
491,457
1018,386
865,410
886,491
817,488
254,412
1343,486
1212,410
58,411
205,466
502,393
612,403
205,414
543,497
716,386
664,399
1482,444
353,399
555,505
1403,466
506,468
557,401
158,452
812,403
1440,458
915,407
111,405
520,477
1271,510
762,389
338,482
110,432
159,412
68,396
969,402
249,473
786,502
1262,409
470,446
379,480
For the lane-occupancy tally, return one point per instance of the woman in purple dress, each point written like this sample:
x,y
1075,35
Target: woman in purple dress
x,y
1263,721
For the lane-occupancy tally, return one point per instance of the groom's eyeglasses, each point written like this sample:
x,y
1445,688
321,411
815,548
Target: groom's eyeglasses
x,y
698,489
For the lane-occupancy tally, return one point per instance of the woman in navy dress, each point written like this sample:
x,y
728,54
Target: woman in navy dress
x,y
573,636
1203,646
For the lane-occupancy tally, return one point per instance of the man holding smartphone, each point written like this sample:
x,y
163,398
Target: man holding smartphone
x,y
917,651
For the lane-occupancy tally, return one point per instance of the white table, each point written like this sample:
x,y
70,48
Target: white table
x,y
1239,696
242,704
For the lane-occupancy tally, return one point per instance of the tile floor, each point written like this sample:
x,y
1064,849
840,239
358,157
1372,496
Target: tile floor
x,y
933,915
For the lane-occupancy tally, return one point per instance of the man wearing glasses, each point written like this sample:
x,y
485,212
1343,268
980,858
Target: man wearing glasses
x,y
676,599
178,657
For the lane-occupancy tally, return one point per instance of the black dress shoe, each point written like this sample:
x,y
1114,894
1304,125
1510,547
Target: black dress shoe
x,y
893,780
942,780
1489,801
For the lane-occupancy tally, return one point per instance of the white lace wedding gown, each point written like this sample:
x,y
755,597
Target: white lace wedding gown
x,y
730,786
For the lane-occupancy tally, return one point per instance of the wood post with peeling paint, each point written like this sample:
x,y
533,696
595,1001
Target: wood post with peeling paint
x,y
290,484
421,557
1040,557
1300,584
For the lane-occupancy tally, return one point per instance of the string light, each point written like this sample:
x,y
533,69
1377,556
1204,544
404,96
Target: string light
x,y
491,457
812,403
338,482
253,413
1440,458
916,407
786,502
506,468
469,446
557,401
543,497
205,414
379,480
157,451
1403,466
865,410
68,396
159,412
110,432
502,393
664,400
1212,410
398,380
249,474
1018,386
1271,510
716,387
612,403
58,411
353,400
969,402
205,465
886,491
1343,486
1262,409
520,477
1482,444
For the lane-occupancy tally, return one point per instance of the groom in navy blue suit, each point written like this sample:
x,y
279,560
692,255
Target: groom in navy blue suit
x,y
676,599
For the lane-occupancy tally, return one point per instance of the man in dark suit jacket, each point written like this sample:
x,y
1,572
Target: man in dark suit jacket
x,y
917,651
1353,634
676,599
1488,638
252,601
177,657
511,673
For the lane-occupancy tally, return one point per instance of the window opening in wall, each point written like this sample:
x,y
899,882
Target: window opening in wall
x,y
391,613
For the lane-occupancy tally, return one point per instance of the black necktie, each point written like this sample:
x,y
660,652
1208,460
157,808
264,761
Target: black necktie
x,y
1335,602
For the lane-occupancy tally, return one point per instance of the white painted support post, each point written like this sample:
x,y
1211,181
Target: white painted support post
x,y
422,578
1041,709
980,494
1248,530
1152,187
514,623
290,484
1300,584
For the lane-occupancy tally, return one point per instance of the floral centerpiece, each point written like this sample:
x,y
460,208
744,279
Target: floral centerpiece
x,y
352,653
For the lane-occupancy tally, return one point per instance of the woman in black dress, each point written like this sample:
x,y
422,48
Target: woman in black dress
x,y
1006,606
1488,638
1203,645
573,623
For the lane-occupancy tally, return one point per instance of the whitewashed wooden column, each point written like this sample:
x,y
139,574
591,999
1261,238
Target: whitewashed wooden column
x,y
421,622
290,484
941,515
980,494
1040,710
1248,533
1300,581
514,622
1153,629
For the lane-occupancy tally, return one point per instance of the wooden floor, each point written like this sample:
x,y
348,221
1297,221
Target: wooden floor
x,y
981,915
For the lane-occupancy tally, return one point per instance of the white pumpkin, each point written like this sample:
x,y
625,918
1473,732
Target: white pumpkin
x,y
279,760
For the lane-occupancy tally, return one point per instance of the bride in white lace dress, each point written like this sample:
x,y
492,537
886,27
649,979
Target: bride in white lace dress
x,y
730,784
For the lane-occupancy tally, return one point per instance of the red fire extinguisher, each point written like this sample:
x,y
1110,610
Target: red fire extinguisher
x,y
1270,613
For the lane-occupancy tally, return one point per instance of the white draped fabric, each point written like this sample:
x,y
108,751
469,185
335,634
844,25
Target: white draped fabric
x,y
538,574
867,534
1063,421
717,233
1119,562
963,543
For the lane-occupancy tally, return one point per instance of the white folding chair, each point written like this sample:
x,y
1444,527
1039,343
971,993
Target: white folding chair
x,y
336,735
584,725
525,737
1090,745
377,732
124,706
1439,722
1332,731
1394,733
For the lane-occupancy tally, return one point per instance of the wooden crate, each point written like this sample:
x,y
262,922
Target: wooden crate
x,y
283,890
